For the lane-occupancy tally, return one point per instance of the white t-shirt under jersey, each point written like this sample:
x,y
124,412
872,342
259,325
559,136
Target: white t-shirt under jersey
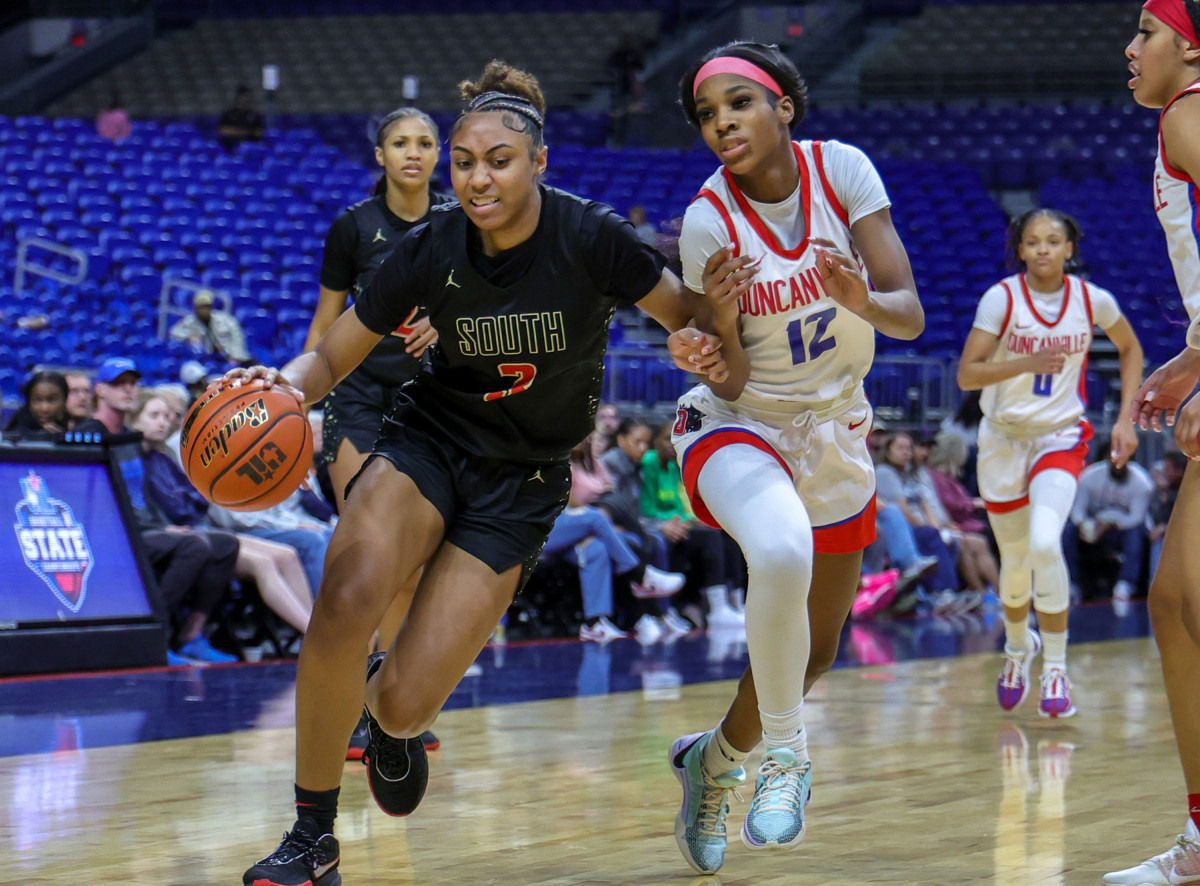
x,y
803,346
1026,321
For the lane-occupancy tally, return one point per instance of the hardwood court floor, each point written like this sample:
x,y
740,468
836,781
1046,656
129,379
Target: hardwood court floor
x,y
919,779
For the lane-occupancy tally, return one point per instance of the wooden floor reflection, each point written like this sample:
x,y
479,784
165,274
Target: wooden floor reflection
x,y
919,779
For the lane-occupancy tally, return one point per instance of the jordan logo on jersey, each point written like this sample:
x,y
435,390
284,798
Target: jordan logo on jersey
x,y
450,280
379,236
537,475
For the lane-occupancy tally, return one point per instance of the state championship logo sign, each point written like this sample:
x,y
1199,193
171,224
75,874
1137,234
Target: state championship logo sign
x,y
54,545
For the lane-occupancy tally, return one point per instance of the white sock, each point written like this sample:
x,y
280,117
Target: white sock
x,y
786,731
719,756
1016,634
1054,650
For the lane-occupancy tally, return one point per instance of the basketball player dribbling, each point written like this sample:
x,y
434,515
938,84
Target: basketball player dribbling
x,y
521,281
360,238
1027,351
1164,59
780,241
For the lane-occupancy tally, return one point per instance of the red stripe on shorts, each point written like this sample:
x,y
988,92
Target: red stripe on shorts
x,y
702,450
850,535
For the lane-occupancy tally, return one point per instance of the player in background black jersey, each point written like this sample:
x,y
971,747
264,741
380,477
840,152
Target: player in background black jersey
x,y
407,148
521,281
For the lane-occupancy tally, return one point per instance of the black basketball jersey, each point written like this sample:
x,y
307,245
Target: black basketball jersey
x,y
375,233
518,367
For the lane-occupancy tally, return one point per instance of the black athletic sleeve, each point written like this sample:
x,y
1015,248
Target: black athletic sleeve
x,y
620,264
337,267
399,285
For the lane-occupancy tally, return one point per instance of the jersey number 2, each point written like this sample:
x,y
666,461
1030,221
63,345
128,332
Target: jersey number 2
x,y
522,372
818,344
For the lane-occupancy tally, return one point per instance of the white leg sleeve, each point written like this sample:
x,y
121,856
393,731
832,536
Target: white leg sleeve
x,y
1012,537
1051,495
753,499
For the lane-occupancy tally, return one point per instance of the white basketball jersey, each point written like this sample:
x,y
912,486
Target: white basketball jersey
x,y
802,345
1042,401
1175,202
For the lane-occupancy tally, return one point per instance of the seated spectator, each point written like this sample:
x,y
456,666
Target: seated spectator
x,y
240,122
43,410
976,561
965,425
1166,489
645,231
79,397
212,332
607,420
1108,522
116,392
601,551
275,568
899,482
178,401
623,502
694,545
113,122
193,569
288,523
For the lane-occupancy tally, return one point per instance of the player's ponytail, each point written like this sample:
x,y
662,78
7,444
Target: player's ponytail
x,y
511,90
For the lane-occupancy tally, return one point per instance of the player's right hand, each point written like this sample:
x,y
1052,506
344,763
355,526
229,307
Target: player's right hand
x,y
727,278
1159,397
1048,361
271,378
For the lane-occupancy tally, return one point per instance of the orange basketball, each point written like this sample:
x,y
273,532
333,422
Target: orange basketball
x,y
247,447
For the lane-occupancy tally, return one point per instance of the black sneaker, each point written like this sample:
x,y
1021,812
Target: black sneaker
x,y
358,740
397,769
302,858
430,741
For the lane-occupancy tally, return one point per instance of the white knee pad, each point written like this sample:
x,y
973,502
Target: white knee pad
x,y
1012,537
1051,494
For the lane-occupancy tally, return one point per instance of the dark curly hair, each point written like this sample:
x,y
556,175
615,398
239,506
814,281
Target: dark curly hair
x,y
523,87
769,57
1016,232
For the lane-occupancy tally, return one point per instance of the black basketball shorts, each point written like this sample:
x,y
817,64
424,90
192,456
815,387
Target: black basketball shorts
x,y
496,510
355,410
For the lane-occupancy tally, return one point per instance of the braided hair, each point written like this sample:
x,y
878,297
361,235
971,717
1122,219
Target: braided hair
x,y
512,91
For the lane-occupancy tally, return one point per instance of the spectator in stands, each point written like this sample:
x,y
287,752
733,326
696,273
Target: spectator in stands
x,y
600,549
43,411
899,483
113,122
641,224
193,569
1026,352
694,545
178,400
275,568
80,396
116,391
1167,480
965,424
240,122
976,562
1108,518
625,64
607,420
212,332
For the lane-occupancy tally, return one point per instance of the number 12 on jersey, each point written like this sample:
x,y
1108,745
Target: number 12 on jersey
x,y
819,341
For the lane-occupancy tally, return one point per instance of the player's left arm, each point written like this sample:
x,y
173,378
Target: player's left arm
x,y
892,306
1132,360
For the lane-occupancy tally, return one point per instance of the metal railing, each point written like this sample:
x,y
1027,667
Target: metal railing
x,y
26,265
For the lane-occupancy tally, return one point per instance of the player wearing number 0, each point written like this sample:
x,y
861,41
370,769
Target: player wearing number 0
x,y
407,149
471,471
1164,59
1028,352
780,241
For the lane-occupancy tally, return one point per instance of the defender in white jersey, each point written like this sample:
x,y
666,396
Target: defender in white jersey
x,y
780,240
1164,60
1028,352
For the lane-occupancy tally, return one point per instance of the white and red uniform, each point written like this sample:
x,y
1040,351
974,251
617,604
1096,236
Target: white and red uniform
x,y
804,401
1033,422
1176,203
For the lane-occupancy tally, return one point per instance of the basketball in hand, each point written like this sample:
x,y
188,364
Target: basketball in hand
x,y
246,447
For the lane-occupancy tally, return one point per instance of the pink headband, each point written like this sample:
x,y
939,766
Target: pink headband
x,y
727,64
1172,14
